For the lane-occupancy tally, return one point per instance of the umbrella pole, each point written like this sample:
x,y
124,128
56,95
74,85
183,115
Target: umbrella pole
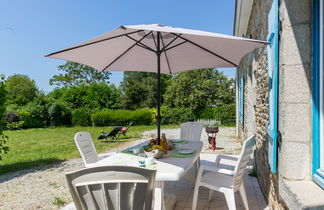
x,y
158,117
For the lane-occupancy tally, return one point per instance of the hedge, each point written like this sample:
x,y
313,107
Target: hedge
x,y
176,115
81,117
225,113
121,117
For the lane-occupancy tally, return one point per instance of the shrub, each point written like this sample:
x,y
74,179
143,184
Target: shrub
x,y
176,115
34,115
224,113
81,117
121,117
15,125
3,138
59,115
11,117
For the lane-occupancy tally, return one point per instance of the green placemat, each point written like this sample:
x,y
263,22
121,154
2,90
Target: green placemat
x,y
176,154
181,142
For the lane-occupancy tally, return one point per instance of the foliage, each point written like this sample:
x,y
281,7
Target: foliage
x,y
41,146
59,201
92,96
59,114
35,113
122,117
76,74
10,117
176,115
20,89
224,113
3,138
140,89
81,117
198,89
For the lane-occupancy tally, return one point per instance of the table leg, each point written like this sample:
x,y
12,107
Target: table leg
x,y
159,194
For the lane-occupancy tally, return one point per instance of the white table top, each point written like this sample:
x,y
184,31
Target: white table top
x,y
168,168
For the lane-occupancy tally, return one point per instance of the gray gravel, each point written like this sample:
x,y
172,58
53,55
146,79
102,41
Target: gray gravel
x,y
46,188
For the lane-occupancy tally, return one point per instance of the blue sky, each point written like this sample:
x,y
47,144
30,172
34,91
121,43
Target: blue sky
x,y
33,28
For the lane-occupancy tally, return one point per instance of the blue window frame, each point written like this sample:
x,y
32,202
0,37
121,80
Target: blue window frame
x,y
317,93
273,67
241,102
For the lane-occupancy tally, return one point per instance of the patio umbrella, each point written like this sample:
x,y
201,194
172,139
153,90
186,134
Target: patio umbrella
x,y
160,49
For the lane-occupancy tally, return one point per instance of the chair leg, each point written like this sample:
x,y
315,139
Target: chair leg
x,y
230,199
243,196
211,194
195,197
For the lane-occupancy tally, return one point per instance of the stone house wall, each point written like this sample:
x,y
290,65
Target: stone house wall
x,y
292,186
255,71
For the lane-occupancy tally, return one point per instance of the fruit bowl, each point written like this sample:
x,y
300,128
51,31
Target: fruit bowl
x,y
155,153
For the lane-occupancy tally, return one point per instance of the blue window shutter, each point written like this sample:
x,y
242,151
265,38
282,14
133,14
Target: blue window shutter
x,y
318,174
273,85
242,100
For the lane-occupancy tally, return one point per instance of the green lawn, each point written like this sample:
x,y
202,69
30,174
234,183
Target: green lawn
x,y
38,147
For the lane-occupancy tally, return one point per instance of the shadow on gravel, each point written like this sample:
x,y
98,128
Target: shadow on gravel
x,y
18,169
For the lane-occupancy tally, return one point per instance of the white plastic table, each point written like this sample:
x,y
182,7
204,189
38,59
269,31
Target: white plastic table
x,y
167,168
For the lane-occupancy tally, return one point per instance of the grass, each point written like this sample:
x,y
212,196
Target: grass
x,y
58,201
39,147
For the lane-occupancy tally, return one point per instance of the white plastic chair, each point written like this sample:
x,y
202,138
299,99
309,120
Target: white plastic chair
x,y
224,180
87,150
112,187
191,131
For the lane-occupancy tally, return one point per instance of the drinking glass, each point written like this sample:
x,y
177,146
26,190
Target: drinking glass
x,y
141,159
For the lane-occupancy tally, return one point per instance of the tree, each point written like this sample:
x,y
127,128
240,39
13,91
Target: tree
x,y
92,96
21,89
198,89
140,89
3,139
76,74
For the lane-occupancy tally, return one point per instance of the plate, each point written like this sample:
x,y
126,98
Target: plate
x,y
185,151
175,140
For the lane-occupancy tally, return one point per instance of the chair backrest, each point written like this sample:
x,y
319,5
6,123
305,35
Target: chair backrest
x,y
243,161
115,131
112,187
191,131
86,148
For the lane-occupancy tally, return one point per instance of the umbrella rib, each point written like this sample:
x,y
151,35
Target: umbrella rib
x,y
164,47
203,48
166,57
124,52
95,42
175,46
140,44
155,43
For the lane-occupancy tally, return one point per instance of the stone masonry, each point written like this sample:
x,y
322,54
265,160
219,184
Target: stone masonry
x,y
284,189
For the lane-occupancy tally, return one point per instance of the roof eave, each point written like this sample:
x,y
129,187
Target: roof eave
x,y
242,16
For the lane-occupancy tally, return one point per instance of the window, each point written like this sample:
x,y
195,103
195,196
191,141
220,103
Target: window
x,y
317,93
241,102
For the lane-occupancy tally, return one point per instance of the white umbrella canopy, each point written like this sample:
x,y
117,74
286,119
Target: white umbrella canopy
x,y
160,49
133,48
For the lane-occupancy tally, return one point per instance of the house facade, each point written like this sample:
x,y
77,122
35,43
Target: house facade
x,y
280,98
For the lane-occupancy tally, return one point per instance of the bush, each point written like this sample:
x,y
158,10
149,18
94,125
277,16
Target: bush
x,y
59,114
224,113
35,113
121,117
11,117
176,115
81,117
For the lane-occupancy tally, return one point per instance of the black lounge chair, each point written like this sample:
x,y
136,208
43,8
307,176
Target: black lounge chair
x,y
124,130
112,134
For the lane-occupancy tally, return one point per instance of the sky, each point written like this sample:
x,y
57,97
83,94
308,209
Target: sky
x,y
30,29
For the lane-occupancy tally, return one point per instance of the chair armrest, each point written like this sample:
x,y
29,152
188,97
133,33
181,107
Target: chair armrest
x,y
215,169
220,157
103,155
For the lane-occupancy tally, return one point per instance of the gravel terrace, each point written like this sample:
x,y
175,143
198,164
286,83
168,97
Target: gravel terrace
x,y
46,188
